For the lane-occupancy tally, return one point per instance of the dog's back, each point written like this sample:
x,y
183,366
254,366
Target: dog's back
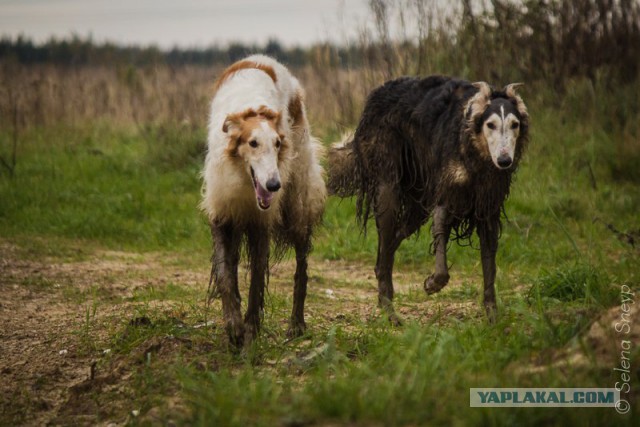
x,y
407,128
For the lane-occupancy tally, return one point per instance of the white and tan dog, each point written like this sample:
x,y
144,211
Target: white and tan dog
x,y
262,182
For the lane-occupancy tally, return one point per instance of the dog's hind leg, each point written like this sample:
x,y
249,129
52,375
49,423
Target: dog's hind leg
x,y
390,235
258,248
441,229
488,232
297,325
226,255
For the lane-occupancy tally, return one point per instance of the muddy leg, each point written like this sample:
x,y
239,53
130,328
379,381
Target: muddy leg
x,y
440,230
258,248
297,325
488,233
226,254
389,238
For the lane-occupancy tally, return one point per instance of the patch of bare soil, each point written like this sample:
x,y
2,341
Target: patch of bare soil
x,y
49,372
54,356
351,293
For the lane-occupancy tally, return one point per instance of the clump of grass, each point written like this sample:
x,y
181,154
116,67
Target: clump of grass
x,y
375,374
575,282
246,398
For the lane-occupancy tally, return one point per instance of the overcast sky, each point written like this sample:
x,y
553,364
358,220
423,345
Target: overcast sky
x,y
185,23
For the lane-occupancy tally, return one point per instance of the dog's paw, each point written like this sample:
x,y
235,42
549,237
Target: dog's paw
x,y
434,283
296,329
386,306
236,334
492,312
395,320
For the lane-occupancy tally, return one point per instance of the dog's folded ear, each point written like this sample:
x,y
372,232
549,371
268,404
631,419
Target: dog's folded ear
x,y
232,126
477,104
484,88
231,123
510,89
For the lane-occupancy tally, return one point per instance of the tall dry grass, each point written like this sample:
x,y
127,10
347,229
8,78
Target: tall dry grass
x,y
47,95
552,46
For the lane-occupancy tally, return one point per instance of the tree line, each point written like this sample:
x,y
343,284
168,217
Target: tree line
x,y
79,51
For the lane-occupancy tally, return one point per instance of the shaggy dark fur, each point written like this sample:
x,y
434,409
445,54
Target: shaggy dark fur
x,y
399,165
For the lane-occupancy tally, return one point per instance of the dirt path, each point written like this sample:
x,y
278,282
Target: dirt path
x,y
46,317
53,340
52,337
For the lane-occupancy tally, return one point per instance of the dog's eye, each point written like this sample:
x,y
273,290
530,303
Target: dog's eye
x,y
253,143
278,143
491,126
515,125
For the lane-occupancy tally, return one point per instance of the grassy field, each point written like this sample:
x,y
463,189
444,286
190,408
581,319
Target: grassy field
x,y
105,262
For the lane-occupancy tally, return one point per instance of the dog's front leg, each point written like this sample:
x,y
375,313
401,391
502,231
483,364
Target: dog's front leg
x,y
226,255
440,230
258,244
488,232
297,325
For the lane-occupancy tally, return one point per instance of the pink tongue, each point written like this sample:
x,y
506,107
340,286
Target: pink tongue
x,y
263,195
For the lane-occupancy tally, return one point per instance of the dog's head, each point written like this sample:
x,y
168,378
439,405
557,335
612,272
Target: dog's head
x,y
498,122
255,136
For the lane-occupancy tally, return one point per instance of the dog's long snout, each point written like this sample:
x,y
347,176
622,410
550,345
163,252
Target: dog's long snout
x,y
504,161
273,184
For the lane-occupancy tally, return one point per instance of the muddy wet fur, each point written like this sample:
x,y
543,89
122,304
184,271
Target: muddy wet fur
x,y
230,240
419,151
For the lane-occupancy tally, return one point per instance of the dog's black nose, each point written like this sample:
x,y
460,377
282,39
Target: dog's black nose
x,y
273,184
504,161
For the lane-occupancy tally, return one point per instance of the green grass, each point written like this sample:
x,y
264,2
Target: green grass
x,y
421,374
102,186
83,189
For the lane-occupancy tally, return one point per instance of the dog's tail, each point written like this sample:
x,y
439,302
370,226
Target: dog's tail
x,y
344,175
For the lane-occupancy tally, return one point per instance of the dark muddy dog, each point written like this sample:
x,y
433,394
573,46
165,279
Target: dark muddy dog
x,y
435,146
